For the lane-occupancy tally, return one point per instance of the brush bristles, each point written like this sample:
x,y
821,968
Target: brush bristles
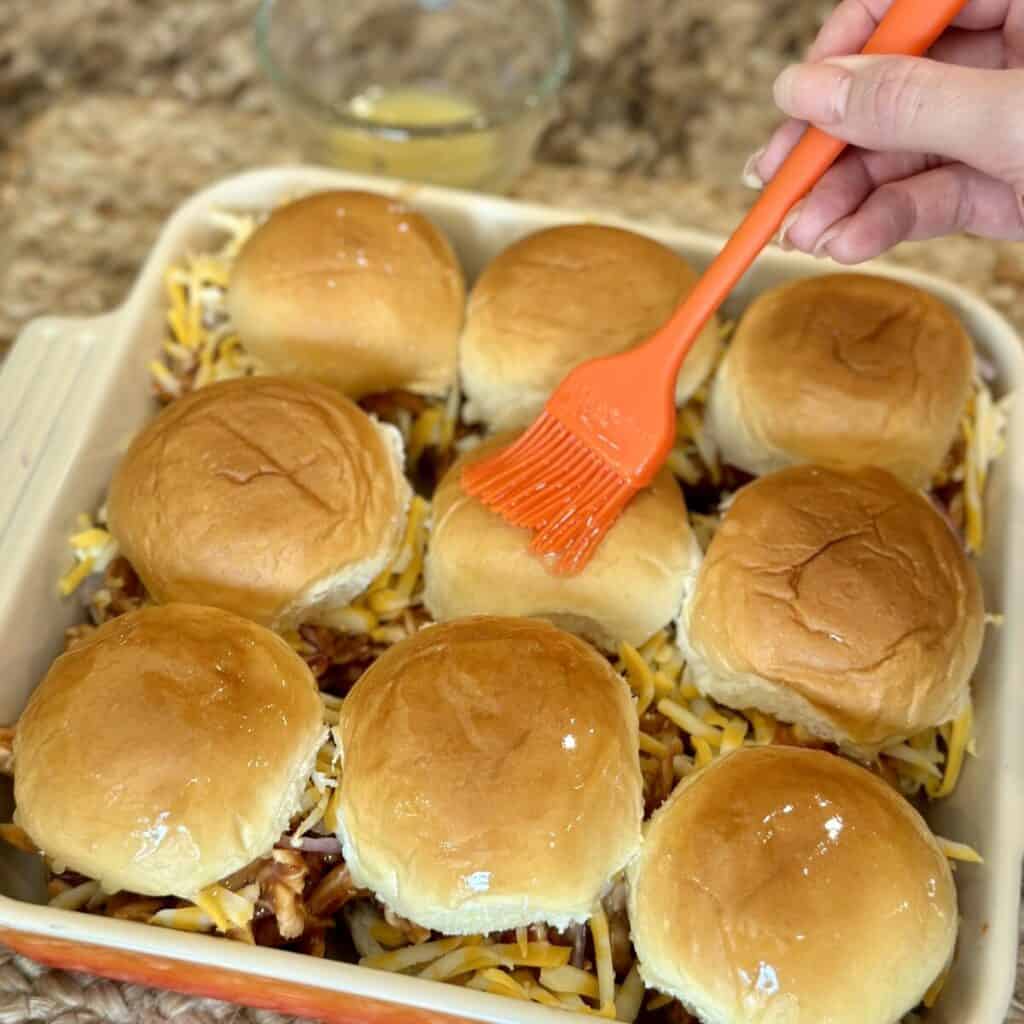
x,y
552,483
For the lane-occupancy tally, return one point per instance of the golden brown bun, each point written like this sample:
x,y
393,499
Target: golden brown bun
x,y
559,297
840,600
168,750
491,776
844,369
791,886
275,499
354,290
478,564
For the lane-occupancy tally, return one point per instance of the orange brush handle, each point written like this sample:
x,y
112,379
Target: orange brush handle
x,y
910,27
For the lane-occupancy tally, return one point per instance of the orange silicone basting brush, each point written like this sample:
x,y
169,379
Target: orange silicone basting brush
x,y
610,425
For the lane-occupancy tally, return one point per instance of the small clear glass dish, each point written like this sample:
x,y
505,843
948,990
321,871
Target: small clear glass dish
x,y
450,92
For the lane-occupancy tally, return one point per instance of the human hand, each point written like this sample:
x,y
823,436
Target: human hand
x,y
939,141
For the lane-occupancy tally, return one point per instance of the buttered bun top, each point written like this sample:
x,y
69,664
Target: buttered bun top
x,y
477,563
352,289
839,600
490,776
276,499
562,296
168,750
843,369
791,886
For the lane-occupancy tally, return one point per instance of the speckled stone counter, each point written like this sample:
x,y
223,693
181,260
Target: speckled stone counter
x,y
113,111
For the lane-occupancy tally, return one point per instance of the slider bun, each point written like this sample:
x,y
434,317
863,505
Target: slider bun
x,y
791,886
275,499
839,600
558,298
351,289
844,369
632,587
168,750
490,776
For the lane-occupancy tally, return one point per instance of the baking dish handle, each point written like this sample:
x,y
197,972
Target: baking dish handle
x,y
37,383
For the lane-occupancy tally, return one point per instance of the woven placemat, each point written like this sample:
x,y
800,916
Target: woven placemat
x,y
74,227
33,994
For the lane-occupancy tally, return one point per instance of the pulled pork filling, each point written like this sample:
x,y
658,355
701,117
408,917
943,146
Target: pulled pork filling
x,y
300,896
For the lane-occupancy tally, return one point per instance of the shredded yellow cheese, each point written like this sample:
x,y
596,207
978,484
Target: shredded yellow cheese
x,y
959,737
77,897
570,979
959,851
412,956
733,735
93,549
603,956
629,999
764,727
394,590
639,676
498,983
688,721
183,919
649,745
388,935
704,754
70,581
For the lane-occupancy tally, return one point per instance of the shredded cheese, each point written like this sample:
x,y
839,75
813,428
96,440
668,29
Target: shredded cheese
x,y
652,746
570,979
394,591
982,438
412,956
77,897
959,851
603,956
183,919
959,737
639,676
93,549
919,758
498,983
629,999
688,721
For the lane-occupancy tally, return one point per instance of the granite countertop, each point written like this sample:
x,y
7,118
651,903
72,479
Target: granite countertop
x,y
666,102
113,111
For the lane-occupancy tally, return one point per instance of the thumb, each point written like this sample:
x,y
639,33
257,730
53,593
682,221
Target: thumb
x,y
906,104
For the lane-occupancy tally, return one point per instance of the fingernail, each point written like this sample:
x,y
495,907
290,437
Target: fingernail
x,y
819,252
782,238
751,176
814,92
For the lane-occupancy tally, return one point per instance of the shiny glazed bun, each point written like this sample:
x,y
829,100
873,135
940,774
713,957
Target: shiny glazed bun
x,y
791,886
167,750
477,563
558,298
490,776
843,369
839,600
352,289
275,499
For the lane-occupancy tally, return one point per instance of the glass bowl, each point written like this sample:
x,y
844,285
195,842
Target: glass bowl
x,y
451,92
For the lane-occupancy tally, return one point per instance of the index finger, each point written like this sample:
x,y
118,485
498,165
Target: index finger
x,y
851,24
848,28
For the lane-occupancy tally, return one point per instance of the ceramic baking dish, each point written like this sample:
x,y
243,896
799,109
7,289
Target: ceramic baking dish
x,y
73,392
